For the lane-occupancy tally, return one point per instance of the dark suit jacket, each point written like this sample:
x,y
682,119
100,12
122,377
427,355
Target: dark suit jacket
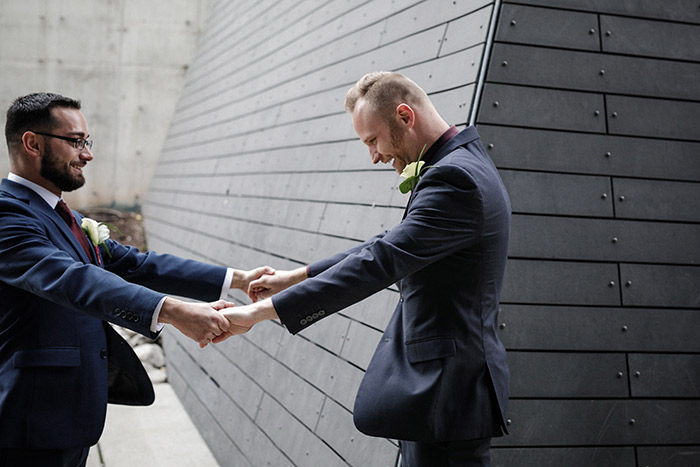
x,y
53,345
439,372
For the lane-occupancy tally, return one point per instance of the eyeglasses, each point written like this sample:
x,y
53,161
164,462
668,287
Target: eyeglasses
x,y
78,143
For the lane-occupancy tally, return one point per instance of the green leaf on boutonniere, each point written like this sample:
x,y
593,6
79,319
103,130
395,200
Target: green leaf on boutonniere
x,y
412,173
98,232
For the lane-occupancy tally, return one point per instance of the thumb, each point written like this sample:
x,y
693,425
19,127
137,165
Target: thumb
x,y
221,304
223,323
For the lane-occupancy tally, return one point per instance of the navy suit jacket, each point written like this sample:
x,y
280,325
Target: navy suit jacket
x,y
53,301
439,372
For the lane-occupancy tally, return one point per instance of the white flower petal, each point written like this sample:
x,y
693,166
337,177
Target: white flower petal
x,y
90,227
103,233
412,169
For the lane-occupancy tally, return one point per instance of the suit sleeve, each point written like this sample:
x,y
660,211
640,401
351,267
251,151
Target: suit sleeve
x,y
444,216
165,273
32,261
319,266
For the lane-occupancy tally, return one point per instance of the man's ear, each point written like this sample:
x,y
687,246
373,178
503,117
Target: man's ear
x,y
32,143
405,115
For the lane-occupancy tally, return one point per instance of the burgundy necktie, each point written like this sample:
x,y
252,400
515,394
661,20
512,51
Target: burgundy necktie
x,y
64,211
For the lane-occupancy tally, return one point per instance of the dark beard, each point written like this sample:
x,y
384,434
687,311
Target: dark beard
x,y
60,176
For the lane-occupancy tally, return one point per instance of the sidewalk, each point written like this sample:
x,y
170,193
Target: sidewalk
x,y
160,435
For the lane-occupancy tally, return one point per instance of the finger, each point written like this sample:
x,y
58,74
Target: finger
x,y
257,288
221,304
234,331
261,281
263,294
255,295
253,288
223,323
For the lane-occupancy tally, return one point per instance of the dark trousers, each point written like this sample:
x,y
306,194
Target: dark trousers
x,y
11,457
471,453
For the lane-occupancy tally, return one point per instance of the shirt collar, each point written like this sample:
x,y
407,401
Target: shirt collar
x,y
440,142
50,198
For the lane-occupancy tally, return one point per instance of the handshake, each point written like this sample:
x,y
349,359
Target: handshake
x,y
215,322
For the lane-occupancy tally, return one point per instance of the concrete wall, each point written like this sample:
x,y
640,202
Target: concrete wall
x,y
261,165
124,59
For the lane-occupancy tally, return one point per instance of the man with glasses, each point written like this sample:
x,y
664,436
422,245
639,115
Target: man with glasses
x,y
59,360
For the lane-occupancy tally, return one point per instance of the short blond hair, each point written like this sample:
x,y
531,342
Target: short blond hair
x,y
383,91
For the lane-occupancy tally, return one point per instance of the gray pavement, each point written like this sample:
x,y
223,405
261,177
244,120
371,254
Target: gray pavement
x,y
159,435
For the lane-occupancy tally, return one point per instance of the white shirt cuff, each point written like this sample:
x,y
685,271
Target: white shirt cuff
x,y
227,282
155,325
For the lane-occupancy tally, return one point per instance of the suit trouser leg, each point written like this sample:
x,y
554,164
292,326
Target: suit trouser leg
x,y
11,457
470,453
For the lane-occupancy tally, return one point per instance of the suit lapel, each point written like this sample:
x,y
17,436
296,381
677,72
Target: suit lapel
x,y
95,251
410,198
53,220
465,136
64,229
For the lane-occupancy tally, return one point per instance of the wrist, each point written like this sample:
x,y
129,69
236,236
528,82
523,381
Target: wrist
x,y
168,311
300,274
237,279
264,310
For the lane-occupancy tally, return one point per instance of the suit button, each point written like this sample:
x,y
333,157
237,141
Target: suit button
x,y
117,311
129,315
302,322
103,354
321,312
315,316
135,319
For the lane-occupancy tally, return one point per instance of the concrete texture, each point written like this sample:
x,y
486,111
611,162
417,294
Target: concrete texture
x,y
160,435
124,59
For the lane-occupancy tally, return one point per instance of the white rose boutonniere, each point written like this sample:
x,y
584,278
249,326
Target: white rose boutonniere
x,y
97,232
412,173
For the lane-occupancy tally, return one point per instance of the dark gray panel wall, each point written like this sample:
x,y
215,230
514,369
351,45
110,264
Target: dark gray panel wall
x,y
590,110
261,166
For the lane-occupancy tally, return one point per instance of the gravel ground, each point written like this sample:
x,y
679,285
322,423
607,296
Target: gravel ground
x,y
129,223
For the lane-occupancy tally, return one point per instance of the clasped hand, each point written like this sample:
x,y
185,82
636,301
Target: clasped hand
x,y
205,322
243,318
217,321
269,284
